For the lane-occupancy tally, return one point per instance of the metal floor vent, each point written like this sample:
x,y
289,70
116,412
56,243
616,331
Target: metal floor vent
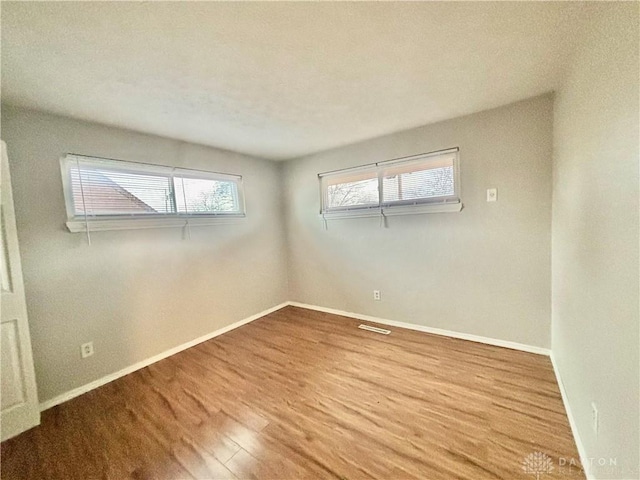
x,y
375,329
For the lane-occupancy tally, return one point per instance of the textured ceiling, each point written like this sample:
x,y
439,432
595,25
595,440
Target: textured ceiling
x,y
280,80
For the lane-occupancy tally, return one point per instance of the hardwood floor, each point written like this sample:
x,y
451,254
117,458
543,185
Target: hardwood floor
x,y
303,394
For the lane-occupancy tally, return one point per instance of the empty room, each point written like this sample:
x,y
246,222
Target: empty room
x,y
320,240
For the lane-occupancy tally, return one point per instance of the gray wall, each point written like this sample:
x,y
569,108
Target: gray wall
x,y
484,271
595,237
134,293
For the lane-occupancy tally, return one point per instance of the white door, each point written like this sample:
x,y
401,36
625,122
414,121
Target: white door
x,y
18,397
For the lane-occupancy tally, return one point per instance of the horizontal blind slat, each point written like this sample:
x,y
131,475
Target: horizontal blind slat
x,y
111,192
429,183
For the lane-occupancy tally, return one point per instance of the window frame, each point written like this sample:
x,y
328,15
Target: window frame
x,y
448,203
125,221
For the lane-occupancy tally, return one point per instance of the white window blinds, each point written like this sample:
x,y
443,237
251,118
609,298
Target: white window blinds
x,y
418,180
100,189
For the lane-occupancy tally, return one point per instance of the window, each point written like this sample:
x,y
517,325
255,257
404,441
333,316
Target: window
x,y
421,183
108,192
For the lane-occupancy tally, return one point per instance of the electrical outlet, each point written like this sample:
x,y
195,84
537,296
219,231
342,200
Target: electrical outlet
x,y
492,195
376,294
594,418
86,349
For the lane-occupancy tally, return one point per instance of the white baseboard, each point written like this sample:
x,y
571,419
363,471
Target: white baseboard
x,y
574,428
145,363
172,351
436,331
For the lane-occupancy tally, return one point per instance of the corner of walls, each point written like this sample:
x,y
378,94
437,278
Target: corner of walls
x,y
283,168
582,452
287,167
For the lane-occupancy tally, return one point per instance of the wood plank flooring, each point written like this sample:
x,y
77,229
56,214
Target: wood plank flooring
x,y
303,394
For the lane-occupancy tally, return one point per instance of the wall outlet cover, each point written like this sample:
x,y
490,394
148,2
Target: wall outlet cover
x,y
86,349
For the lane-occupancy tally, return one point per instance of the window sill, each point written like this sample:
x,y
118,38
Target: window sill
x,y
95,225
400,210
